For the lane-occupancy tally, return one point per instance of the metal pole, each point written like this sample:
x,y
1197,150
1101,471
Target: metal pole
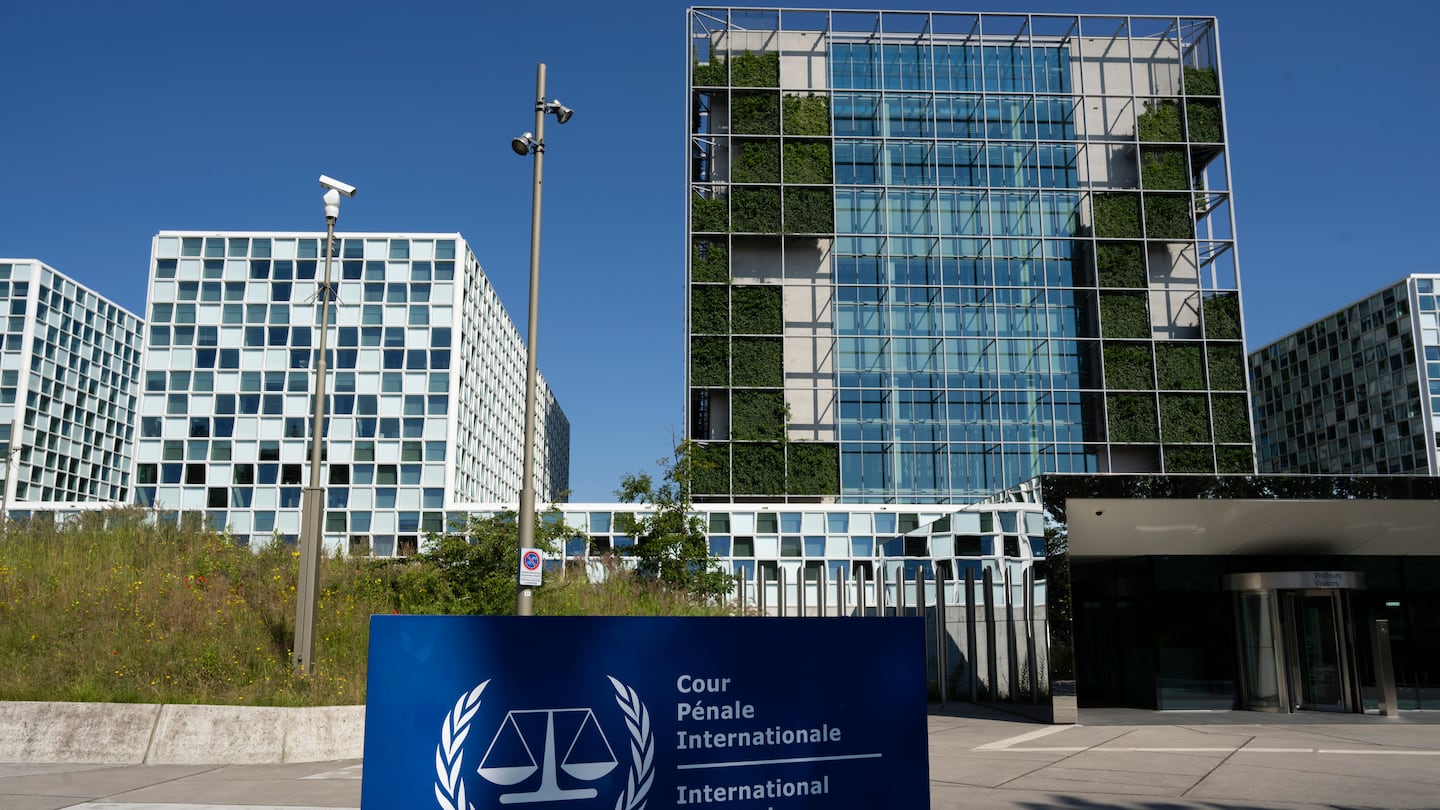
x,y
971,663
942,638
312,502
525,601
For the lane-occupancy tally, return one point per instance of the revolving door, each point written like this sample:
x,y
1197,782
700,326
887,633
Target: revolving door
x,y
1296,640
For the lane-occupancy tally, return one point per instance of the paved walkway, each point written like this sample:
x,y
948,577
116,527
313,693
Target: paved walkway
x,y
979,759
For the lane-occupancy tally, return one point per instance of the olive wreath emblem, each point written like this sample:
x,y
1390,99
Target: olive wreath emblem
x,y
450,787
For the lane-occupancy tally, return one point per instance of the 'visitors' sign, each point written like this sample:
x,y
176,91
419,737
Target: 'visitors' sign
x,y
626,712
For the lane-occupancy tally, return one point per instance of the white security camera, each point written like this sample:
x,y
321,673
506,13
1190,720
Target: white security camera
x,y
336,185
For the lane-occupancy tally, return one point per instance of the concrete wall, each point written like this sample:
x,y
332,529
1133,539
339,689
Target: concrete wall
x,y
138,733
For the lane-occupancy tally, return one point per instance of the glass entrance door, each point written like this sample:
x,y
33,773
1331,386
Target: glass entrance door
x,y
1315,626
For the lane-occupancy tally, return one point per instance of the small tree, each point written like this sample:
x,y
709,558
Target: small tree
x,y
474,568
670,543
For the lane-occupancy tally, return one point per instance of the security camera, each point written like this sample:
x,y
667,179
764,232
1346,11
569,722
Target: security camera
x,y
335,185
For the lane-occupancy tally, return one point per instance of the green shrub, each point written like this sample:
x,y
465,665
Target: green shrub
x,y
1182,458
1128,366
756,162
1201,82
1178,367
1121,264
1221,315
757,310
1132,418
1227,366
813,469
758,362
709,309
709,261
757,415
711,472
755,113
1124,315
1160,123
759,469
1204,120
1184,418
806,115
1232,418
757,210
709,361
710,214
1164,169
713,74
1117,215
756,69
1169,216
808,163
1235,459
809,210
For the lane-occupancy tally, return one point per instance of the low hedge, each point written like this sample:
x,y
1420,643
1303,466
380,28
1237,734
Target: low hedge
x,y
1164,169
1203,118
751,69
1201,82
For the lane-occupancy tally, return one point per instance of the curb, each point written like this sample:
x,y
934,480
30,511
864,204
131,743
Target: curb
x,y
172,734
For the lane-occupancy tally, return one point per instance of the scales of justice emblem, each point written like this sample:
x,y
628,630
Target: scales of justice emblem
x,y
510,758
568,742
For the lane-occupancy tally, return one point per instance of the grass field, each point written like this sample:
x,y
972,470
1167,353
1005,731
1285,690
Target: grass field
x,y
114,607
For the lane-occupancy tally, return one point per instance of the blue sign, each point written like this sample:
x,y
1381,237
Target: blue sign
x,y
471,712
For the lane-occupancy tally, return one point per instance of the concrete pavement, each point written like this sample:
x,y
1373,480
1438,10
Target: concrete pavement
x,y
979,759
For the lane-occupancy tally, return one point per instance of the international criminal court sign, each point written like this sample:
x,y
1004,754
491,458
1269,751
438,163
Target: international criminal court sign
x,y
473,712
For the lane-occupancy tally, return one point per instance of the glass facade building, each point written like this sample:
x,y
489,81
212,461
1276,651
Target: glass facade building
x,y
68,377
425,389
933,255
1357,391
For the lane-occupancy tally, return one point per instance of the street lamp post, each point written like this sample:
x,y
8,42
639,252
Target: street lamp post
x,y
533,144
312,502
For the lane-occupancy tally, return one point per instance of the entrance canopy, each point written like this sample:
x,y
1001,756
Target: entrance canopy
x,y
1115,527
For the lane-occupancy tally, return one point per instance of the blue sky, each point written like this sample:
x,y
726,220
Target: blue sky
x,y
121,119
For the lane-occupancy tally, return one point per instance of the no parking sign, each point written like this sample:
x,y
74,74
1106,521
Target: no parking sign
x,y
529,567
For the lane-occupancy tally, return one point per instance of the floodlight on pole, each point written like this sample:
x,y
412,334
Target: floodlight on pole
x,y
526,145
312,500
